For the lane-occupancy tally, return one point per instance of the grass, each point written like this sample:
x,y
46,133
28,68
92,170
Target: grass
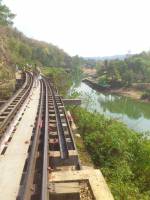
x,y
82,151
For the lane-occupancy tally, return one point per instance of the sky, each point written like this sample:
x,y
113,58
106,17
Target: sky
x,y
86,27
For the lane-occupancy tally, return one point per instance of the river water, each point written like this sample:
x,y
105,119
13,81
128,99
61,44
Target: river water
x,y
134,113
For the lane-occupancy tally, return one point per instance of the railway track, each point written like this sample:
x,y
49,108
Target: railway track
x,y
52,168
52,146
10,109
30,186
61,142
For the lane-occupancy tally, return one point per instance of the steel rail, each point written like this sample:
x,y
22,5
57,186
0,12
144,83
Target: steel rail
x,y
26,191
19,100
68,125
62,141
9,101
79,166
47,98
45,194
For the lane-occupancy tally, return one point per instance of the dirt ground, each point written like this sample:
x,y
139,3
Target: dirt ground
x,y
130,92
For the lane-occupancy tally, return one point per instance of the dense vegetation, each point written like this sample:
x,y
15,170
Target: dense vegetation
x,y
59,77
6,73
5,15
133,69
17,49
62,78
24,50
122,154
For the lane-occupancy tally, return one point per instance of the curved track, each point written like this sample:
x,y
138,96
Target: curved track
x,y
52,146
49,158
8,112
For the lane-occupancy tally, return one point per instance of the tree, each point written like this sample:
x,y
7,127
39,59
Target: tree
x,y
5,15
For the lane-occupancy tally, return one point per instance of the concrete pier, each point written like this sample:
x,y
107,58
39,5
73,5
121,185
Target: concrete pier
x,y
94,177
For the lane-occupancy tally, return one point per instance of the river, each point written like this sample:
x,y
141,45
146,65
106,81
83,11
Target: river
x,y
134,113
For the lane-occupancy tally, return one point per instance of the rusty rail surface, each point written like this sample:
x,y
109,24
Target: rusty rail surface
x,y
27,188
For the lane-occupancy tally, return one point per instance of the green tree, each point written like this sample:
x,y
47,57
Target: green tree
x,y
6,16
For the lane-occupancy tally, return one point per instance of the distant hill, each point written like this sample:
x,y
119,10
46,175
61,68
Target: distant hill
x,y
119,57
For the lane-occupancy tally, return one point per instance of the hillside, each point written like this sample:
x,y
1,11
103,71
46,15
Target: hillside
x,y
25,50
18,49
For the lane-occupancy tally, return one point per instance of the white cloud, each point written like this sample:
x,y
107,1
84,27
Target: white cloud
x,y
86,27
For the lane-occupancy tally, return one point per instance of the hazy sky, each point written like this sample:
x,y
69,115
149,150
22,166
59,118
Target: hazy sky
x,y
86,27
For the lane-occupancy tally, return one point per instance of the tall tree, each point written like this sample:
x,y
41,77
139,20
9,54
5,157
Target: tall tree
x,y
6,16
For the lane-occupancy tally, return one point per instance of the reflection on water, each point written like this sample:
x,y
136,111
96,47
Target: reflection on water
x,y
135,114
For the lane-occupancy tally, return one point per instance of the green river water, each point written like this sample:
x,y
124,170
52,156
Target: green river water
x,y
134,113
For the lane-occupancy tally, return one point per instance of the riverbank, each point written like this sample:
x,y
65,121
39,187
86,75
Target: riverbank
x,y
128,92
131,92
121,153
